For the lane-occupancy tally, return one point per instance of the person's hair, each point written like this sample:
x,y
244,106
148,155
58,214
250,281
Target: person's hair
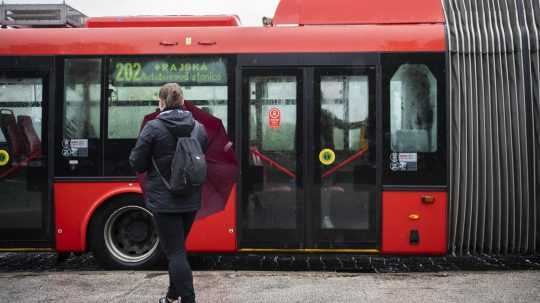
x,y
171,94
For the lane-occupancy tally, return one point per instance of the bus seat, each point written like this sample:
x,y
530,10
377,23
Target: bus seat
x,y
12,133
31,139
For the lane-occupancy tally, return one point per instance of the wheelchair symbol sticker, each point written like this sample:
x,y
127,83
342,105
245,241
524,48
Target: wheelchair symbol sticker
x,y
327,156
4,157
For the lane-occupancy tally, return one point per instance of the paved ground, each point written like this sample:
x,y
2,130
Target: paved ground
x,y
38,277
24,262
256,286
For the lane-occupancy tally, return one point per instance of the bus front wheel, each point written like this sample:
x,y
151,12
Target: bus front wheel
x,y
123,235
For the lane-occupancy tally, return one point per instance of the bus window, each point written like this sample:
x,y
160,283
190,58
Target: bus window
x,y
413,110
414,120
135,83
278,93
344,129
133,90
21,98
273,129
78,152
22,168
341,109
82,97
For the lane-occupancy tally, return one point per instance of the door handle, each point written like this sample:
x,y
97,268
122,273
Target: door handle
x,y
207,43
168,43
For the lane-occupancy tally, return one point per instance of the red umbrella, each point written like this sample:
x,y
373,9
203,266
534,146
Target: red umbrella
x,y
220,158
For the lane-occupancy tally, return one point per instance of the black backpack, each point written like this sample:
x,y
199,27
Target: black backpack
x,y
188,165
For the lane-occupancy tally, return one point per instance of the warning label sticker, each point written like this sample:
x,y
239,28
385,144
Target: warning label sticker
x,y
274,117
404,161
75,148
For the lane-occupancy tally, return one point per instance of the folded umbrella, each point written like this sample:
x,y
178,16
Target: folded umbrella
x,y
221,162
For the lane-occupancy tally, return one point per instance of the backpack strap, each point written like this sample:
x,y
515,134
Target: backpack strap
x,y
196,127
167,185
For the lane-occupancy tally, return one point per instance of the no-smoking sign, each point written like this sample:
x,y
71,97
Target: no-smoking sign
x,y
274,117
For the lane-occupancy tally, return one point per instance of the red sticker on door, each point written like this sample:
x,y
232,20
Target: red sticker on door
x,y
274,117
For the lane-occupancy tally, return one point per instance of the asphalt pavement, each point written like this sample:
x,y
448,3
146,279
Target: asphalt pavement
x,y
38,277
257,286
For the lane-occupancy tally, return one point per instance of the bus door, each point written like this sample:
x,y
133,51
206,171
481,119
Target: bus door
x,y
273,181
344,187
24,207
309,159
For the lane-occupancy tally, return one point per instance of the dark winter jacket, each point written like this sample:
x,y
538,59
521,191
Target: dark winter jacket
x,y
158,139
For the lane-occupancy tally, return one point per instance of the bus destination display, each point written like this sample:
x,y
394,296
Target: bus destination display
x,y
198,71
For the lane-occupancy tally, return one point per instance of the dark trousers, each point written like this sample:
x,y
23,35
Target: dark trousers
x,y
173,229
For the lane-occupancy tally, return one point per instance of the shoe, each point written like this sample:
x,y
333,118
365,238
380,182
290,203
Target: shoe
x,y
326,223
164,300
187,300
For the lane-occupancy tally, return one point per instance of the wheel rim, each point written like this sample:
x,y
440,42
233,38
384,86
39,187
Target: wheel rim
x,y
130,235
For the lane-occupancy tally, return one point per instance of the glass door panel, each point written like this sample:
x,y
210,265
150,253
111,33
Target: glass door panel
x,y
270,211
311,177
23,165
345,170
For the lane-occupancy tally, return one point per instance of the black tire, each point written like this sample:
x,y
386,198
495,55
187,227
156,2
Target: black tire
x,y
122,235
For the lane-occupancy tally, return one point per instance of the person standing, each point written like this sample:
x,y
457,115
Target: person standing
x,y
173,214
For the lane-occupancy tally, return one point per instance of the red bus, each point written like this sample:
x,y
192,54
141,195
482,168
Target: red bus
x,y
351,129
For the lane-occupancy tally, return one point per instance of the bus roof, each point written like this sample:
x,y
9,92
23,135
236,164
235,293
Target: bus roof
x,y
316,12
163,21
345,26
223,40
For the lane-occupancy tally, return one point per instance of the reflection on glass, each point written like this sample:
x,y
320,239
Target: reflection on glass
x,y
134,90
413,109
82,97
20,153
344,125
272,129
20,118
129,104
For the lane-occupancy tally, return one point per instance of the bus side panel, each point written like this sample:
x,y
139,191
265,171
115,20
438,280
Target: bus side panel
x,y
414,223
215,233
75,203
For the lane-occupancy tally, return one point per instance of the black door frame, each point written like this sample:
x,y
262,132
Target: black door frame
x,y
307,63
44,68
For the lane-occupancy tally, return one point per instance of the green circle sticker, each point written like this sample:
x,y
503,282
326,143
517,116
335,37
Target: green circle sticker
x,y
327,156
4,157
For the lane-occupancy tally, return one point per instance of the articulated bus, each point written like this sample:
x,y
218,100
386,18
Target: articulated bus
x,y
387,127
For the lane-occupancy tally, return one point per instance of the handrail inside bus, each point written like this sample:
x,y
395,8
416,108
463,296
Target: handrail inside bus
x,y
272,163
18,166
355,156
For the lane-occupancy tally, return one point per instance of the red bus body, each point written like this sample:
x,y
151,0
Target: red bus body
x,y
317,12
225,40
346,26
72,219
163,21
